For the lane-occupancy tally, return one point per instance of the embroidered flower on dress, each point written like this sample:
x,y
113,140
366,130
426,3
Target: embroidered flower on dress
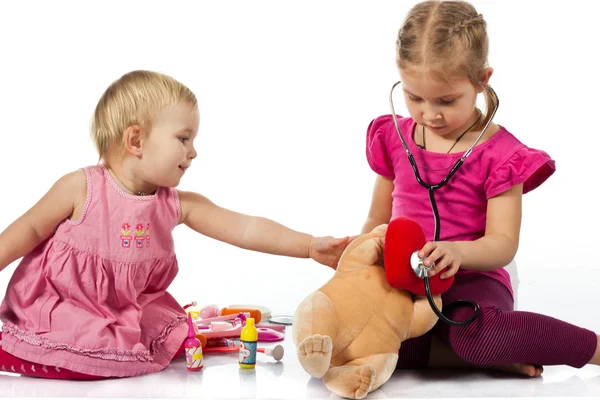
x,y
125,229
148,234
125,238
139,230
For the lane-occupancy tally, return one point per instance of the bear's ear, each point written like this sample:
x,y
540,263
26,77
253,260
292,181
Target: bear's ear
x,y
364,251
380,230
404,237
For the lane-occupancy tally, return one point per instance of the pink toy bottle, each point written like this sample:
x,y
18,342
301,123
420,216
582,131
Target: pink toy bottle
x,y
193,348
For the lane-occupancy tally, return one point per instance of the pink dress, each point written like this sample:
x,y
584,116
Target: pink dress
x,y
493,167
92,298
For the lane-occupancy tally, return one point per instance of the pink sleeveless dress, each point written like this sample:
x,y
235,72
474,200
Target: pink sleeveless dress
x,y
92,298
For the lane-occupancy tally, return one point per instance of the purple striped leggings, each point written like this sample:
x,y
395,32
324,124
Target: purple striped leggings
x,y
500,335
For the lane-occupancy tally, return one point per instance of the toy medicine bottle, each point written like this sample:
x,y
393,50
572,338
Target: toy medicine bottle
x,y
193,348
248,344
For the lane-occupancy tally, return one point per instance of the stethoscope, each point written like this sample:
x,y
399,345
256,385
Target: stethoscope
x,y
417,263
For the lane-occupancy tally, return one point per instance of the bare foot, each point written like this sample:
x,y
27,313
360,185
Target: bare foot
x,y
529,370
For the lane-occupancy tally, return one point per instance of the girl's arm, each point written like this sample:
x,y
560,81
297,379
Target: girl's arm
x,y
499,245
380,211
37,224
244,231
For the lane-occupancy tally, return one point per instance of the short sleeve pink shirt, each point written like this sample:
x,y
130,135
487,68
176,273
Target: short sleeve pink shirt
x,y
493,167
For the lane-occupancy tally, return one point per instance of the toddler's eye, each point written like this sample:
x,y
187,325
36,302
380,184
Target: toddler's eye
x,y
414,99
183,139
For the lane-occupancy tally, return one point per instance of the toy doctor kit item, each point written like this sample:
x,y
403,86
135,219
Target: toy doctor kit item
x,y
230,326
233,345
248,345
193,348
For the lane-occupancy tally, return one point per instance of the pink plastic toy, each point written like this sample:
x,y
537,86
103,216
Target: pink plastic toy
x,y
264,334
209,311
193,348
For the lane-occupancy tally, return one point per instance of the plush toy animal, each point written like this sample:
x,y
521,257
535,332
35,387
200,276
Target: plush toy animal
x,y
349,331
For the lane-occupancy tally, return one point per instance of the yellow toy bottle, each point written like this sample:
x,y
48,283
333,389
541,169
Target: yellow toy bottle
x,y
248,345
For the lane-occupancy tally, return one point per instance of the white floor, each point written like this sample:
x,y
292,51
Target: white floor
x,y
560,297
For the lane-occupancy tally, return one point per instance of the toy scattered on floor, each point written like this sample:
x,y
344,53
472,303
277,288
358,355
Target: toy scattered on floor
x,y
213,310
233,346
230,326
352,341
248,345
275,352
282,319
264,311
220,330
259,313
192,304
193,348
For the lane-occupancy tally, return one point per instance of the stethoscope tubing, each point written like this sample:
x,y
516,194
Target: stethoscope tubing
x,y
431,189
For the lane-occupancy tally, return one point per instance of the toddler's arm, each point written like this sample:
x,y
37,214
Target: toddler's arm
x,y
256,233
39,222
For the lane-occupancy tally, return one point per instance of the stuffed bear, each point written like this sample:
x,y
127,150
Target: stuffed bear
x,y
349,331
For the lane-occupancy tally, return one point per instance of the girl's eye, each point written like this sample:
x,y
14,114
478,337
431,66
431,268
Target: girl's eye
x,y
415,99
183,139
447,102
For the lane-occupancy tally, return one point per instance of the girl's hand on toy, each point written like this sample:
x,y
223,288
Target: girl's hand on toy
x,y
328,250
445,255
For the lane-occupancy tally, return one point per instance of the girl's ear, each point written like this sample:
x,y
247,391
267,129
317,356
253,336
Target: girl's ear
x,y
484,78
132,139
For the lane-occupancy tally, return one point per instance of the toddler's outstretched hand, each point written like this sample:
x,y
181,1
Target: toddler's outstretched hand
x,y
328,250
445,255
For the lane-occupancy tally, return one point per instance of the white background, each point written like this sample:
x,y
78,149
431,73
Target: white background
x,y
286,91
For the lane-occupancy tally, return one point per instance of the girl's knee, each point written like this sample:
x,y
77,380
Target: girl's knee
x,y
471,343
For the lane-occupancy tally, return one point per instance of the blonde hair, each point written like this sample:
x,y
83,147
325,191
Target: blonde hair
x,y
448,39
134,99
